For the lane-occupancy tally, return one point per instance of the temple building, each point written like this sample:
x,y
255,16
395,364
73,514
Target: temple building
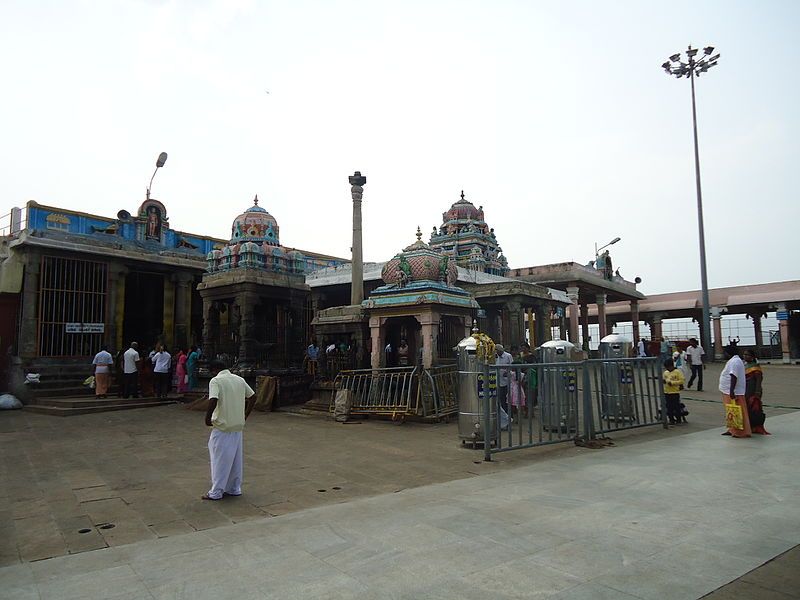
x,y
256,304
71,282
465,237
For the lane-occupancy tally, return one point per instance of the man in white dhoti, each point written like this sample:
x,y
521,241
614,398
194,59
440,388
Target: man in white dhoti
x,y
230,403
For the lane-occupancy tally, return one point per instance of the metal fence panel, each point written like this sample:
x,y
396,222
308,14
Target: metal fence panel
x,y
549,403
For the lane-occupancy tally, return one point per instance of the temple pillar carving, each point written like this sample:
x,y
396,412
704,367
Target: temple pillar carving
x,y
635,321
183,307
572,294
601,314
783,325
585,326
247,301
115,318
168,326
378,342
516,324
716,322
29,318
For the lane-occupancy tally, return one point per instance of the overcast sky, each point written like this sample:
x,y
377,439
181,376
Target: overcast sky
x,y
555,116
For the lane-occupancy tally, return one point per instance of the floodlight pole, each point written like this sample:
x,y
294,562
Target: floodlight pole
x,y
706,324
692,68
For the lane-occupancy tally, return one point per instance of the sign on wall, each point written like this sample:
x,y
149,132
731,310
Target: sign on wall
x,y
85,327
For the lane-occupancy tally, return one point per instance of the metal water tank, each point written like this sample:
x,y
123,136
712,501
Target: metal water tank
x,y
558,388
470,393
617,392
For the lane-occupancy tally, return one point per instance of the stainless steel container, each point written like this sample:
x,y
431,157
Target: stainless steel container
x,y
558,388
470,390
617,394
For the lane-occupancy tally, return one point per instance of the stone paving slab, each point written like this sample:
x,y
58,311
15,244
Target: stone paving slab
x,y
671,518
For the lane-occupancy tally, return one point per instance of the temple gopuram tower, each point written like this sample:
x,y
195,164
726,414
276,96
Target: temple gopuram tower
x,y
465,237
256,310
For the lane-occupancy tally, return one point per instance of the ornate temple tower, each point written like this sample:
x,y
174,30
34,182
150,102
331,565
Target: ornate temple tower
x,y
254,297
465,237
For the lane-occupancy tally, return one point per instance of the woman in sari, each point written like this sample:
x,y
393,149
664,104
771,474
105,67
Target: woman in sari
x,y
181,376
752,395
191,367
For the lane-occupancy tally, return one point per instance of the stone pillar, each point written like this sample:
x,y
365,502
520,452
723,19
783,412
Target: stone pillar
x,y
247,302
168,327
585,326
357,182
183,307
635,321
543,323
656,328
376,334
210,328
116,306
430,329
757,330
783,325
572,293
531,323
601,314
716,321
516,324
29,318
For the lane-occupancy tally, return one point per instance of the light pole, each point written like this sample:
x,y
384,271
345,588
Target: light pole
x,y
611,243
691,68
162,159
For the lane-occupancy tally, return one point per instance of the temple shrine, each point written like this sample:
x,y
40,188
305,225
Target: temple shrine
x,y
465,237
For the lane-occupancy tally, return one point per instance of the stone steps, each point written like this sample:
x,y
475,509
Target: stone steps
x,y
69,406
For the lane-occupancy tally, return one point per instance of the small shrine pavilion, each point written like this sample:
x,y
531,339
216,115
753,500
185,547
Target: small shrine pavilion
x,y
256,307
419,303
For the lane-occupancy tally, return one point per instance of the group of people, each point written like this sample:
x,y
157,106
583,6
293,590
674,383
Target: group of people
x,y
153,374
512,383
740,383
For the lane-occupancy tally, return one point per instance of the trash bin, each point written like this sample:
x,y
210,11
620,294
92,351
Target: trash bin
x,y
470,393
558,387
617,392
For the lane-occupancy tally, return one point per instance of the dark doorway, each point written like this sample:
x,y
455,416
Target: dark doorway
x,y
403,328
144,309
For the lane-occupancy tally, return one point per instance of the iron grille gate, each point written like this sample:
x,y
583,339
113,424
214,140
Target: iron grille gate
x,y
72,306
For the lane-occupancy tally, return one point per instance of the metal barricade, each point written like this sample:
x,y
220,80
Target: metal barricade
x,y
437,396
627,393
550,403
391,391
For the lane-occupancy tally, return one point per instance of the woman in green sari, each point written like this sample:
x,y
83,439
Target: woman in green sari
x,y
191,367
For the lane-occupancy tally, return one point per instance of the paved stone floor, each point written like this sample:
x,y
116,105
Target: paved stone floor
x,y
142,472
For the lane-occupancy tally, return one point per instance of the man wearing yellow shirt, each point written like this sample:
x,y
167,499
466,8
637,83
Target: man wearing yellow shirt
x,y
673,384
230,403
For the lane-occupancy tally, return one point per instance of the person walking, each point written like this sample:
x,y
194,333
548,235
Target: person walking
x,y
161,365
694,356
754,376
641,348
230,402
102,371
503,358
130,371
732,384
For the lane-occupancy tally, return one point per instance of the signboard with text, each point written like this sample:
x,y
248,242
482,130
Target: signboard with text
x,y
84,327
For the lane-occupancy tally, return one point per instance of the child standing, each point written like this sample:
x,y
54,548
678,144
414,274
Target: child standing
x,y
673,384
